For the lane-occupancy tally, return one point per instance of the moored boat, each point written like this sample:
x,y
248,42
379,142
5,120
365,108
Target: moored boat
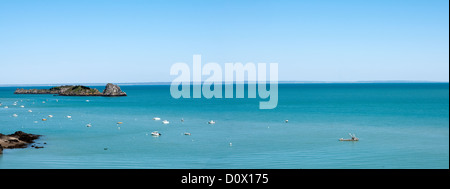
x,y
353,138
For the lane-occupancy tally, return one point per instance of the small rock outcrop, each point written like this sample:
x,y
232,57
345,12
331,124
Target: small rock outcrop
x,y
17,140
113,90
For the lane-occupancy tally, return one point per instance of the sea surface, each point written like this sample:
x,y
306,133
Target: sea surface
x,y
400,125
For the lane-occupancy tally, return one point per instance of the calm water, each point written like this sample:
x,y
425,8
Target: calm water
x,y
399,126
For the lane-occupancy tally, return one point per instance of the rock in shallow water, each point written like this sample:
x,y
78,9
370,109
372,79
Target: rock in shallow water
x,y
113,90
17,140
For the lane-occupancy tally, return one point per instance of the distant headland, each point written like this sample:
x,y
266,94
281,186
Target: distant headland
x,y
76,90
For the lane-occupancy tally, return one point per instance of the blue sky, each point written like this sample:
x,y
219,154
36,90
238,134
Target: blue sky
x,y
93,41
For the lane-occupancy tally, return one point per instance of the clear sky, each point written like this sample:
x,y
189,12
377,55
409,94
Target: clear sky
x,y
94,41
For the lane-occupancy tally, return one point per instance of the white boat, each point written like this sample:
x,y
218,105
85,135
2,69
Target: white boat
x,y
50,115
286,121
15,115
88,125
156,133
165,122
187,133
22,106
69,116
6,107
30,111
211,122
353,138
87,100
156,118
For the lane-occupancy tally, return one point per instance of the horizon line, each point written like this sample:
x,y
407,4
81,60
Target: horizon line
x,y
245,82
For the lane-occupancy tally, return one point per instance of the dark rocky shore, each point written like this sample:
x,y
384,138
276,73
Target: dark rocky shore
x,y
17,140
78,90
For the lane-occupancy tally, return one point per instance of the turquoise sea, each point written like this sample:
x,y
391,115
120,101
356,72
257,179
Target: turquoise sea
x,y
400,125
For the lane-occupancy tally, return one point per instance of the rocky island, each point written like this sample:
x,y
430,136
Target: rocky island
x,y
75,90
17,140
